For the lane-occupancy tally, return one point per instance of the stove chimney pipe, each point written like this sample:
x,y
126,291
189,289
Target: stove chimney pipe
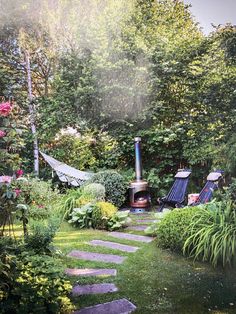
x,y
138,160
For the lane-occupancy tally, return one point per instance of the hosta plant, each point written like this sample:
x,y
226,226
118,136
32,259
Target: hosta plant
x,y
119,220
82,217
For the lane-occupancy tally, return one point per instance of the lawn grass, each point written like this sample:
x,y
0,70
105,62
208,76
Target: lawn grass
x,y
156,281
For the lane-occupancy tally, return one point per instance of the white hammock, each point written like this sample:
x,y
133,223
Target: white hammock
x,y
66,173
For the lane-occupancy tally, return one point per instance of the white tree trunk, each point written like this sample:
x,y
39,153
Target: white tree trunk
x,y
32,115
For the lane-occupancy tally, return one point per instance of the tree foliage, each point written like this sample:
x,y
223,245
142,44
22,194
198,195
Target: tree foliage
x,y
125,68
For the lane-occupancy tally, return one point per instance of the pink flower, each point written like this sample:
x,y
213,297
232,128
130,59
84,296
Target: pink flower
x,y
41,206
19,173
5,109
17,191
2,133
5,179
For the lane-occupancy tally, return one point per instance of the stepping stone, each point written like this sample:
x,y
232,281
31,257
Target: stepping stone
x,y
145,221
137,228
121,306
91,256
97,288
114,245
133,237
90,272
141,214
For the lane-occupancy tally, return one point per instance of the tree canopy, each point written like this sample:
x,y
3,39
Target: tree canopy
x,y
116,69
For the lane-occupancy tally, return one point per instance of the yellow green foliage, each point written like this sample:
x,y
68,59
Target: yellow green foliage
x,y
107,209
83,200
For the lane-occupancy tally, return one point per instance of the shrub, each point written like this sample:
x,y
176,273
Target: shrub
x,y
41,237
212,234
115,186
7,266
38,195
107,209
39,287
31,283
104,211
231,190
171,230
94,191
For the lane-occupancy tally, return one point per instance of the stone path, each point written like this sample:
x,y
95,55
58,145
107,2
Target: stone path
x,y
132,237
121,306
114,245
91,256
138,227
91,272
144,221
99,288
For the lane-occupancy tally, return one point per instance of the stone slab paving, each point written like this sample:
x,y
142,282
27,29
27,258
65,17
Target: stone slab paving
x,y
145,221
97,288
137,228
90,272
91,256
121,306
133,237
114,245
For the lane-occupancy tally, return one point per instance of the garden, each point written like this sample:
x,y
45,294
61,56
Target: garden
x,y
87,91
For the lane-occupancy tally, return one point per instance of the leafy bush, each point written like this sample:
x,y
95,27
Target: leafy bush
x,y
212,234
81,153
39,287
95,191
114,184
42,236
7,266
171,230
231,190
38,195
104,212
31,283
107,209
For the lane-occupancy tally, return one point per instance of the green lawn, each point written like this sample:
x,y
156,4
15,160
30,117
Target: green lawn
x,y
156,281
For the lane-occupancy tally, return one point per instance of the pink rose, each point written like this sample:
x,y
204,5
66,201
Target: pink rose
x,y
5,109
17,191
19,173
5,179
2,133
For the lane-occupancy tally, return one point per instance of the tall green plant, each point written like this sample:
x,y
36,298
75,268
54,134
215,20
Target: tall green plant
x,y
212,234
68,202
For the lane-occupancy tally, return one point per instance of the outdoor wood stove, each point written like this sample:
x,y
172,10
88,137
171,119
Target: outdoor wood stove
x,y
138,191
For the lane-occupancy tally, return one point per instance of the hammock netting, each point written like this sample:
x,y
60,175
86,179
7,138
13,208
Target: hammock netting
x,y
67,173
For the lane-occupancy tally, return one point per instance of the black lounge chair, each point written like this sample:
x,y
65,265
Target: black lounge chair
x,y
176,195
211,185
